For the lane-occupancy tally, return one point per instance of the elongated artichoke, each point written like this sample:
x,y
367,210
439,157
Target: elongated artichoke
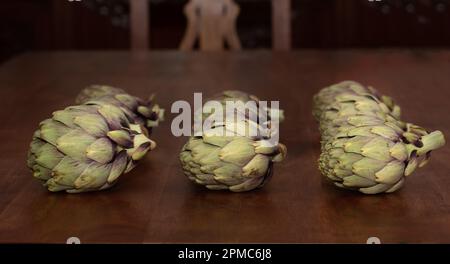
x,y
237,161
365,146
87,147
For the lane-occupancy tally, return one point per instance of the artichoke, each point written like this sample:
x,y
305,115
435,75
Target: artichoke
x,y
235,161
365,145
256,115
87,147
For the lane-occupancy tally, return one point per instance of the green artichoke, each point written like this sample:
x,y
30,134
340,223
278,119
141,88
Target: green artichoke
x,y
87,147
261,112
238,161
365,146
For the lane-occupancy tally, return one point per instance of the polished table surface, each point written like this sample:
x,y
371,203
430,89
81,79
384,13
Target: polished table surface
x,y
156,202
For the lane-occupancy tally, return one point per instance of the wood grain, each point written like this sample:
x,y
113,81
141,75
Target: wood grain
x,y
156,203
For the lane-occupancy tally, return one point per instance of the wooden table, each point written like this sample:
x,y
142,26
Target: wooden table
x,y
156,203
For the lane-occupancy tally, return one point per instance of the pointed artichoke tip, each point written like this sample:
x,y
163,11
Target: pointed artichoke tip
x,y
283,149
282,152
152,145
432,141
439,136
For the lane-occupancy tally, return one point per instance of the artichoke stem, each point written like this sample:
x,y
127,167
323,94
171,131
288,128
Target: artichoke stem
x,y
432,141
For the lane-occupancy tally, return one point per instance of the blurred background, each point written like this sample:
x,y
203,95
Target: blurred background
x,y
34,25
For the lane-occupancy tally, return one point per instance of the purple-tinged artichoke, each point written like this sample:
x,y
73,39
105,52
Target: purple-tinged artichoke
x,y
365,145
87,147
228,156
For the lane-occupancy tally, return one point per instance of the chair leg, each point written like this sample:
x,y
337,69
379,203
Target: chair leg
x,y
139,22
281,24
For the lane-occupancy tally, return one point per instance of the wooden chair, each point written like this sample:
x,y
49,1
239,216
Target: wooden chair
x,y
213,21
